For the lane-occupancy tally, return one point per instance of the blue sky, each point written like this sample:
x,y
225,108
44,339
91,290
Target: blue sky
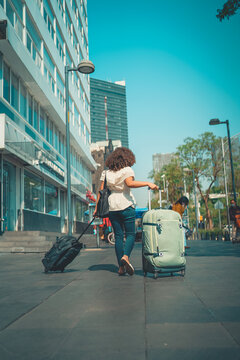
x,y
181,66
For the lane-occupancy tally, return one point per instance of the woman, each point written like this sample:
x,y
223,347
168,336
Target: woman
x,y
120,178
180,206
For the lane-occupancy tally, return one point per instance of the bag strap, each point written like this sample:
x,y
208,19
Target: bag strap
x,y
105,180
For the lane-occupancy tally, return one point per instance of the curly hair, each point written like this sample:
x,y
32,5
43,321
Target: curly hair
x,y
120,158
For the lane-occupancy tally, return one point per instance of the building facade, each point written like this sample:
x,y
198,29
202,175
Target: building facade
x,y
100,151
159,160
43,36
108,111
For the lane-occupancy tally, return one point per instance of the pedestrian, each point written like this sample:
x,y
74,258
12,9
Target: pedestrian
x,y
120,179
180,206
234,214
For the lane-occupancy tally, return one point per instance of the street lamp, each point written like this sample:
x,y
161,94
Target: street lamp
x,y
218,122
84,67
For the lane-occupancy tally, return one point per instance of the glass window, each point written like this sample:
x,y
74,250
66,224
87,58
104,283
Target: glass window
x,y
56,139
68,23
61,144
50,132
6,82
82,126
87,136
23,101
33,32
18,6
48,17
84,13
30,109
51,199
33,192
59,43
79,210
71,119
68,58
10,13
35,115
47,129
76,116
60,89
14,91
42,122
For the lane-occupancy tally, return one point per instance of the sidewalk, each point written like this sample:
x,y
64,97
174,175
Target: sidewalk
x,y
90,313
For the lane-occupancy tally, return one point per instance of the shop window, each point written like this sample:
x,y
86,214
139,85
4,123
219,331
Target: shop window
x,y
23,101
79,211
14,91
6,82
33,192
51,199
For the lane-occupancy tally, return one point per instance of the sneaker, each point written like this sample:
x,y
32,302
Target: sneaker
x,y
129,268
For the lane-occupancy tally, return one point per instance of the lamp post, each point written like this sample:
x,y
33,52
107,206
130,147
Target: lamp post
x,y
84,67
218,122
225,185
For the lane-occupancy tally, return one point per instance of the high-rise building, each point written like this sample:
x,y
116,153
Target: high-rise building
x,y
42,36
108,111
159,160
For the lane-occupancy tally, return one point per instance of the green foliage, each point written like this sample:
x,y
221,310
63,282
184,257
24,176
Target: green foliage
x,y
229,8
154,204
202,158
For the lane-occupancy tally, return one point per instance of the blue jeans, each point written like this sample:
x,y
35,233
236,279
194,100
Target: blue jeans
x,y
123,220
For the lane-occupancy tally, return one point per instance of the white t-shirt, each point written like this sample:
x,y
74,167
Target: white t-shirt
x,y
121,196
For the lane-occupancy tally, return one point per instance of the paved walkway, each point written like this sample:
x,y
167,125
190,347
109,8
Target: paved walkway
x,y
90,313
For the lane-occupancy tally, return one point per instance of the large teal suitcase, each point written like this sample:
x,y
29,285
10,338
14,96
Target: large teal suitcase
x,y
163,243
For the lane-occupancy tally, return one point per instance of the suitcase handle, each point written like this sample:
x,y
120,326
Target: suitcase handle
x,y
85,229
149,198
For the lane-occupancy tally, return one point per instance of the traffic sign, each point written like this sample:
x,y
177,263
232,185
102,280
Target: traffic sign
x,y
219,205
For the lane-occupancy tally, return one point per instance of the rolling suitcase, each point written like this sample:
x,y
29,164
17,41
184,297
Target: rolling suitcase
x,y
63,252
163,242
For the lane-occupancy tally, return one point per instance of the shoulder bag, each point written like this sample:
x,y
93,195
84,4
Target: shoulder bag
x,y
103,206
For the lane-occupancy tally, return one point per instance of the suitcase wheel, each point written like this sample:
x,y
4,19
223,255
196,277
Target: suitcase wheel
x,y
183,272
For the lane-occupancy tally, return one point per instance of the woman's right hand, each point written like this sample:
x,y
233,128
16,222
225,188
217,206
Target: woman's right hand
x,y
153,186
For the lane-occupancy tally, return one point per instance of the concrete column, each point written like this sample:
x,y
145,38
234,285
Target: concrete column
x,y
1,192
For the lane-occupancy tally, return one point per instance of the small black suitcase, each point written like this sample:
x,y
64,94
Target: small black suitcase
x,y
63,252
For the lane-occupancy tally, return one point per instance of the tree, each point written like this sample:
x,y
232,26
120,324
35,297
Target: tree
x,y
173,180
229,8
202,156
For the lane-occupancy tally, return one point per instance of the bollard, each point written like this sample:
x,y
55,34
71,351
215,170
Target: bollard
x,y
98,242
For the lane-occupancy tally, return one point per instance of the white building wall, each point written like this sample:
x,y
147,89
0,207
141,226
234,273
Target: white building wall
x,y
30,72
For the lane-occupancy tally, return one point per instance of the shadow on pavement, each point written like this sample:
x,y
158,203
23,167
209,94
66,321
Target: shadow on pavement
x,y
212,248
107,267
60,272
